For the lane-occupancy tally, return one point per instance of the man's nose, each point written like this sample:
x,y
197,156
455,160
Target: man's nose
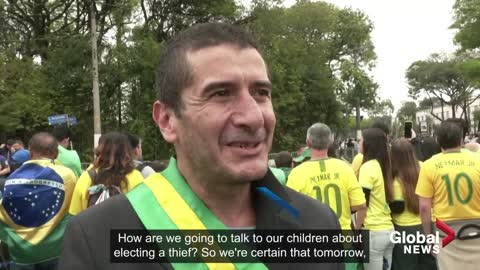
x,y
247,112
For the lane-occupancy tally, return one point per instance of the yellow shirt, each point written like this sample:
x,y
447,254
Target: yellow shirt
x,y
357,163
452,181
80,194
330,181
406,218
378,213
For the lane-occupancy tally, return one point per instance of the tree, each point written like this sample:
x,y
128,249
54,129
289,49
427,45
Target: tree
x,y
357,89
298,44
476,119
407,112
382,108
351,57
441,77
467,21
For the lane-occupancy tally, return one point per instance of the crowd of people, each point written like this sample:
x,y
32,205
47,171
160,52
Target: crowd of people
x,y
401,185
214,105
48,186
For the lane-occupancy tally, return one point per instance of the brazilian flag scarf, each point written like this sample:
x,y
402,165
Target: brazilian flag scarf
x,y
166,202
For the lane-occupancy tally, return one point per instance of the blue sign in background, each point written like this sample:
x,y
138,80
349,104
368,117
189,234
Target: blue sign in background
x,y
62,118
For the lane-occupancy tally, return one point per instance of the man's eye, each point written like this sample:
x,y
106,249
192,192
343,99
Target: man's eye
x,y
263,92
220,93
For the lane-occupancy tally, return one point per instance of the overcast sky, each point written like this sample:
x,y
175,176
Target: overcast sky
x,y
405,31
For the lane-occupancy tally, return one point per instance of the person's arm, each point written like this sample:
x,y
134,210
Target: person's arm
x,y
5,170
361,214
76,252
425,205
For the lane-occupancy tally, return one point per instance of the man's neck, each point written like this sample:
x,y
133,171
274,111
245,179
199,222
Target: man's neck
x,y
450,150
39,157
318,154
232,203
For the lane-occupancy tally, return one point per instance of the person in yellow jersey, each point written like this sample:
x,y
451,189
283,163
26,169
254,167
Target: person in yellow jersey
x,y
449,183
375,179
113,168
358,159
405,210
329,180
214,105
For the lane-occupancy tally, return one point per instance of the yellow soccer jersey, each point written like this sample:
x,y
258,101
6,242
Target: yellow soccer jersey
x,y
330,181
80,194
452,181
378,213
357,163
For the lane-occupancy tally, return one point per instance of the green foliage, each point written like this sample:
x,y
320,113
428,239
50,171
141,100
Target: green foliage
x,y
442,78
407,112
315,52
24,106
382,108
467,21
306,46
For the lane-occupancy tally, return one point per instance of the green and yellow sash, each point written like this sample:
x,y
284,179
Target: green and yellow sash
x,y
166,202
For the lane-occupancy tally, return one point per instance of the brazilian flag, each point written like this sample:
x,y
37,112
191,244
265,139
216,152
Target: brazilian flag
x,y
34,210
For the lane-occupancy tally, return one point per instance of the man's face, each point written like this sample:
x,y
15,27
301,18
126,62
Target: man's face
x,y
227,122
16,146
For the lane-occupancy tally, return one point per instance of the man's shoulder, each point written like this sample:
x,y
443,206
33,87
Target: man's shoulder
x,y
66,153
313,214
339,164
304,167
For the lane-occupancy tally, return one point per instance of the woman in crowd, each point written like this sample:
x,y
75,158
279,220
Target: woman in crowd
x,y
405,209
113,171
374,177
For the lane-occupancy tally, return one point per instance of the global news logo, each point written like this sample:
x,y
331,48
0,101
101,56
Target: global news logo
x,y
419,243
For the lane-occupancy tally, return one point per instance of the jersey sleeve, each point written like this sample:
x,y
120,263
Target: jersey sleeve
x,y
295,182
366,176
357,163
355,192
425,182
79,197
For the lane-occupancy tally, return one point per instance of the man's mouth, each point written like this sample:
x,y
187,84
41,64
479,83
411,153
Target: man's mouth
x,y
244,145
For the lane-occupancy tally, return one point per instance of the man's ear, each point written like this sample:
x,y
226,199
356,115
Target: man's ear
x,y
165,119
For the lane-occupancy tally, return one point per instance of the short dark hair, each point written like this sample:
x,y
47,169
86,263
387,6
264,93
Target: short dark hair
x,y
174,73
133,139
449,135
429,147
43,143
381,125
62,132
283,159
461,123
19,142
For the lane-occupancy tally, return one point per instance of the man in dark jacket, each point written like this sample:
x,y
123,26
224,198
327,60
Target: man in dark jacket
x,y
214,105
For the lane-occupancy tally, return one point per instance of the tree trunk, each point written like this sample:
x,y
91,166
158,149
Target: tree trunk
x,y
454,115
357,116
443,115
467,115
